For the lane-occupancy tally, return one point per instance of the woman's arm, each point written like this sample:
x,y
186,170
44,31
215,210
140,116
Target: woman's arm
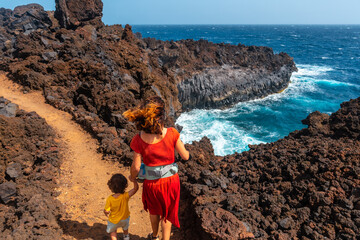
x,y
180,148
135,166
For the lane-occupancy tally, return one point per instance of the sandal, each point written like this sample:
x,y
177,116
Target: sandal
x,y
151,237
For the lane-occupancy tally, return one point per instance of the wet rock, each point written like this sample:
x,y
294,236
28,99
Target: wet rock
x,y
7,191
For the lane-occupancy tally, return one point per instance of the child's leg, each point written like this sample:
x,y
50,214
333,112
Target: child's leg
x,y
113,236
125,227
166,229
155,219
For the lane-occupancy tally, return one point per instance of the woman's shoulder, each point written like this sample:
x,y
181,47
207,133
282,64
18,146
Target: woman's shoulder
x,y
173,133
172,129
136,137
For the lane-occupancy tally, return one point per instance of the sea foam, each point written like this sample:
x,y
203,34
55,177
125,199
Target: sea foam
x,y
260,120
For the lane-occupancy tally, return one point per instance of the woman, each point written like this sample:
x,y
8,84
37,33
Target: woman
x,y
155,145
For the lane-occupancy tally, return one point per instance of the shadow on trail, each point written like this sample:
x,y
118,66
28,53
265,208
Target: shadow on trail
x,y
84,231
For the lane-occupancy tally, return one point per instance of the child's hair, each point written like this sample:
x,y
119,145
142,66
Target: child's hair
x,y
118,183
149,116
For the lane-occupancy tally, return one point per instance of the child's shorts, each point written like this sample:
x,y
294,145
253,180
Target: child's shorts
x,y
124,224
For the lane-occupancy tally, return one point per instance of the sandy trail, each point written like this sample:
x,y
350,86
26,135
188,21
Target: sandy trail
x,y
84,175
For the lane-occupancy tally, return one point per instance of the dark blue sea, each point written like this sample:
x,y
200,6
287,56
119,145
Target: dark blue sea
x,y
328,59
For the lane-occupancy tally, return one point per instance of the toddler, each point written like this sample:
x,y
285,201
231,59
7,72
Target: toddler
x,y
117,207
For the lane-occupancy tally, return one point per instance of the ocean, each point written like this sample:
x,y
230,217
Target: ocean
x,y
328,62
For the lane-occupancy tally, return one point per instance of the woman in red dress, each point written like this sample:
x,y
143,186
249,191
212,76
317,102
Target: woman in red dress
x,y
156,146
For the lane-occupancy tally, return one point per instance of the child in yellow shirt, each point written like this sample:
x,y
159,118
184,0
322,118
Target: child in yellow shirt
x,y
117,207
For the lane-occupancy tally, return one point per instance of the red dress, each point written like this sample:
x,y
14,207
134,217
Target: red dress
x,y
161,196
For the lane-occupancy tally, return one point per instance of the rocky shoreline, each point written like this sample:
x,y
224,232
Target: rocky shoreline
x,y
304,186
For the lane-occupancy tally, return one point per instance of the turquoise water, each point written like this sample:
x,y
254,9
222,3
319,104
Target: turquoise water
x,y
328,59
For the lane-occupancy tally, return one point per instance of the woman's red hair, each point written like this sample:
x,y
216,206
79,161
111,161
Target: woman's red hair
x,y
149,116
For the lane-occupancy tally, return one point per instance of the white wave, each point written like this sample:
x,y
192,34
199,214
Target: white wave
x,y
311,70
335,83
224,136
325,58
227,137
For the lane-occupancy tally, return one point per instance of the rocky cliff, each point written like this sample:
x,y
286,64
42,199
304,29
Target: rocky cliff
x,y
219,75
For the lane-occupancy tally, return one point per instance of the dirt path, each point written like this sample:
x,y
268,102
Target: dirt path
x,y
83,173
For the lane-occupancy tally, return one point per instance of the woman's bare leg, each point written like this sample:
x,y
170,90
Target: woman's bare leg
x,y
155,219
166,229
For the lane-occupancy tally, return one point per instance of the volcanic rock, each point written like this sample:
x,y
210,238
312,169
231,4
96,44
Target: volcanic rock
x,y
28,166
221,74
304,186
7,108
222,224
74,13
7,191
13,170
29,18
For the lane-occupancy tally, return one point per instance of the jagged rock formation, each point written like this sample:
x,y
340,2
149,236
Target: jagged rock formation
x,y
305,186
74,13
29,166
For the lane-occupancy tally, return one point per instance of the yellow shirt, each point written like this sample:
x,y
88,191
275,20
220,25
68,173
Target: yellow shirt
x,y
118,207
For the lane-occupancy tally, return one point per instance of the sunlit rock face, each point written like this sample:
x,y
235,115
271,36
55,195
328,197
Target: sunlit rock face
x,y
74,13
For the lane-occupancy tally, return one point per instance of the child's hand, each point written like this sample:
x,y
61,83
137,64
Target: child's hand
x,y
106,213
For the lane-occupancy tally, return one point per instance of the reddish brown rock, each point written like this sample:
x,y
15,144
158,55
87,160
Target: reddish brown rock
x,y
305,186
29,165
221,224
74,13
